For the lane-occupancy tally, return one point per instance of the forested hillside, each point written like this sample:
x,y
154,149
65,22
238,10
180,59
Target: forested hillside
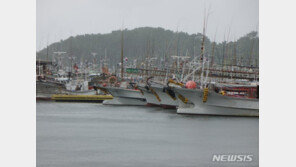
x,y
145,42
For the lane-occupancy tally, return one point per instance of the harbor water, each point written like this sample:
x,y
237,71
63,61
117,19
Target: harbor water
x,y
92,135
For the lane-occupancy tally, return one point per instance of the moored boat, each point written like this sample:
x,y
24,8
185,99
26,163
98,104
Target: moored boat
x,y
124,96
210,102
45,89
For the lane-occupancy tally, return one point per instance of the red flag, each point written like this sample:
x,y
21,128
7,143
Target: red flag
x,y
75,67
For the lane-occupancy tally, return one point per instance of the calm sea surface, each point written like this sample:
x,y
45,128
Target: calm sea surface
x,y
95,135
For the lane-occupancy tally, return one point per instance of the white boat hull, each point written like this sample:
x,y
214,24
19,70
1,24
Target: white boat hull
x,y
123,96
86,92
125,101
216,104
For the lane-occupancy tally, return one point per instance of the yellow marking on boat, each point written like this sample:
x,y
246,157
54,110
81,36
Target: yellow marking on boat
x,y
205,94
183,99
176,83
155,94
62,97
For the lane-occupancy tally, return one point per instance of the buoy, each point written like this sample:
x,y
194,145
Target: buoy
x,y
190,85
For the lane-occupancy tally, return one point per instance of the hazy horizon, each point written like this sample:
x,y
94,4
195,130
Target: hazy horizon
x,y
57,20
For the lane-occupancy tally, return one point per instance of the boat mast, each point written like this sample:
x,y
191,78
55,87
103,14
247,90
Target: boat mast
x,y
122,54
213,49
194,56
39,69
234,54
223,50
165,62
202,50
47,52
147,57
251,55
105,60
226,50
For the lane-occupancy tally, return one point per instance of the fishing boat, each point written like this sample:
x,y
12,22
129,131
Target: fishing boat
x,y
46,85
80,87
201,96
45,89
124,96
218,101
123,92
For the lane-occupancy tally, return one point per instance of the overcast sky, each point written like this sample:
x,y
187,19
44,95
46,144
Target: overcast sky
x,y
59,19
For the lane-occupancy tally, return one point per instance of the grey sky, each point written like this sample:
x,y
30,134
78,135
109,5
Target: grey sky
x,y
59,19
